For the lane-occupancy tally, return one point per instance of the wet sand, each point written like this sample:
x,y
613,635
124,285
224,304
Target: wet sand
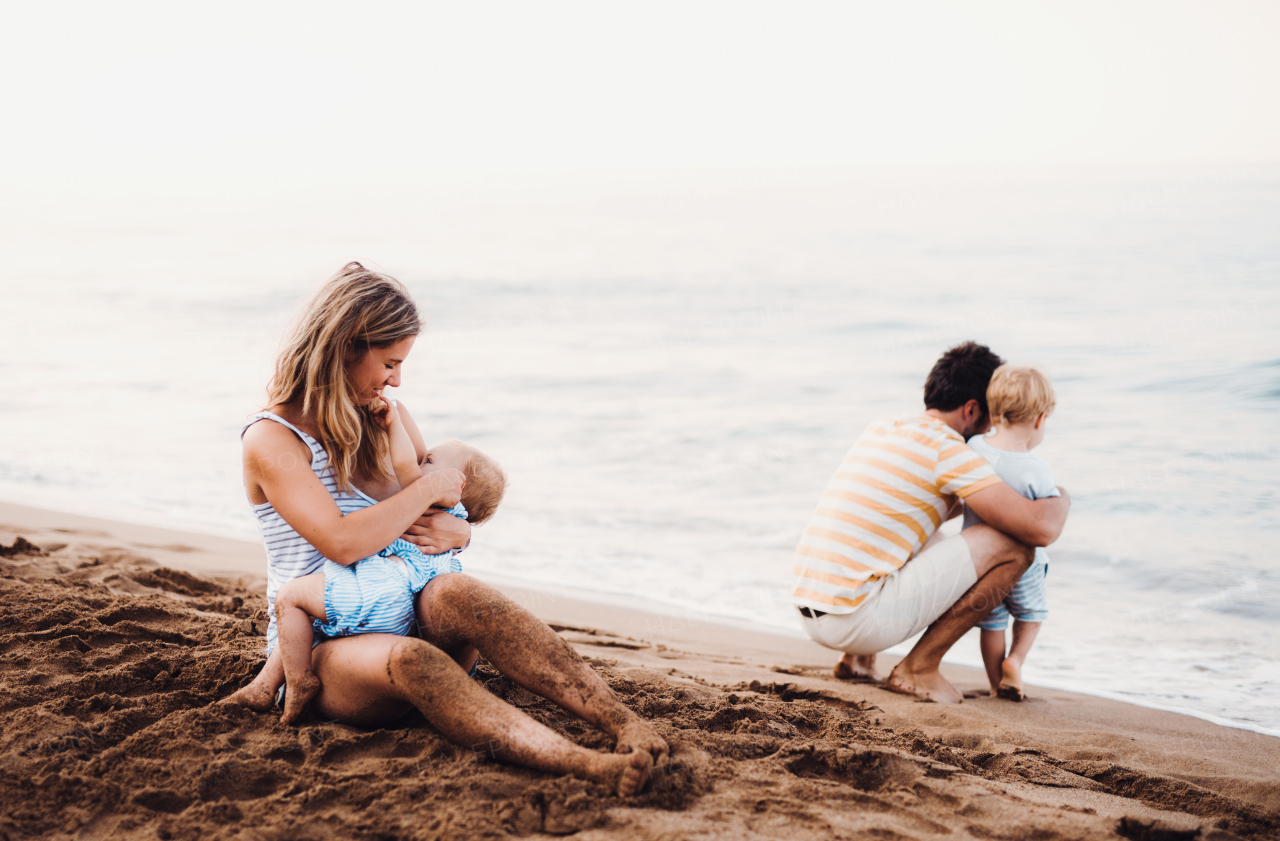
x,y
117,639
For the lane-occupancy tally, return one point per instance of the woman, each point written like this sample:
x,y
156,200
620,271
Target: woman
x,y
342,501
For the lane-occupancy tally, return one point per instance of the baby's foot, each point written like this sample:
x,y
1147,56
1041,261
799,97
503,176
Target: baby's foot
x,y
626,773
255,696
297,694
1010,681
638,736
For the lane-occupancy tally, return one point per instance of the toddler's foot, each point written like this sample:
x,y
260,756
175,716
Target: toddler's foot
x,y
255,696
297,694
1010,687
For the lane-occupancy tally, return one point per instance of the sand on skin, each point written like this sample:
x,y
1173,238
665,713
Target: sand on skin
x,y
118,638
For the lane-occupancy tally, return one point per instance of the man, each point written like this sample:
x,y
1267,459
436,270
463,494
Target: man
x,y
868,573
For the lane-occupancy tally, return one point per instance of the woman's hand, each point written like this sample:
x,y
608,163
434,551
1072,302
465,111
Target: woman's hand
x,y
438,532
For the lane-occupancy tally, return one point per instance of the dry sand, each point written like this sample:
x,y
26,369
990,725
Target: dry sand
x,y
117,639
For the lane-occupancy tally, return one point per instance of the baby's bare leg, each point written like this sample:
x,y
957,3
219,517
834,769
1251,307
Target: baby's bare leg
x,y
1024,634
298,603
992,644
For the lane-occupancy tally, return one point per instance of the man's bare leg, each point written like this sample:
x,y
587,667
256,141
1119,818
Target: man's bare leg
x,y
1024,634
370,679
999,561
857,667
457,610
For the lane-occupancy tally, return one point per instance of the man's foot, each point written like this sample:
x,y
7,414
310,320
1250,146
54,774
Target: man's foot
x,y
626,774
297,694
930,685
856,667
1010,687
638,736
259,698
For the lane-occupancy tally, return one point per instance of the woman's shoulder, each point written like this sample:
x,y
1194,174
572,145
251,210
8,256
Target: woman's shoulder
x,y
268,436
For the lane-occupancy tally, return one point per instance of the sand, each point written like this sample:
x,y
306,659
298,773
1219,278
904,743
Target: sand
x,y
118,639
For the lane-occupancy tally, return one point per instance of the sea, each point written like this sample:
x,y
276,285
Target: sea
x,y
672,364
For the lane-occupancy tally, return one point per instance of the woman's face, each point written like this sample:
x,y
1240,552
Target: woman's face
x,y
377,369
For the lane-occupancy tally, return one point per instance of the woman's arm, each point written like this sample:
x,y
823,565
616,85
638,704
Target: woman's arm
x,y
277,466
437,532
419,445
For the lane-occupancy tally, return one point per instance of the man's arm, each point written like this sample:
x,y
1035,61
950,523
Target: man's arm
x,y
1034,522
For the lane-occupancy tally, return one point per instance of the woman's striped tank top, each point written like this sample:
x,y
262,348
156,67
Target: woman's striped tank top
x,y
289,555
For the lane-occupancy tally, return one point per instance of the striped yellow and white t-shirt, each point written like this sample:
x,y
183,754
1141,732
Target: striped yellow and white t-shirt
x,y
889,496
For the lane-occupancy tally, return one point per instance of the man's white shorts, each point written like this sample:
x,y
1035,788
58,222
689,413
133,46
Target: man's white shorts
x,y
905,605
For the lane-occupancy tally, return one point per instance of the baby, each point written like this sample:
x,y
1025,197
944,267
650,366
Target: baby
x,y
374,595
1020,399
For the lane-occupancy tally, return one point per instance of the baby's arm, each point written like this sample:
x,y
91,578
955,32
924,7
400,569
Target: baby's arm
x,y
404,456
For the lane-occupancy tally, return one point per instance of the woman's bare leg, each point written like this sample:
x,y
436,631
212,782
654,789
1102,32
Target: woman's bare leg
x,y
298,603
456,610
260,695
373,678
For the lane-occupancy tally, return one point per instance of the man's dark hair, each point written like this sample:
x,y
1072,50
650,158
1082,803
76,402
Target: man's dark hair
x,y
961,375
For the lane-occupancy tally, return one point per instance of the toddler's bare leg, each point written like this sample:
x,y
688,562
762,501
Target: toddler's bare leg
x,y
298,603
1024,634
992,644
260,695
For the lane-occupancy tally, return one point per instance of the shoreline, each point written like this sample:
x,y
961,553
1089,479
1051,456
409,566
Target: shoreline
x,y
124,635
224,547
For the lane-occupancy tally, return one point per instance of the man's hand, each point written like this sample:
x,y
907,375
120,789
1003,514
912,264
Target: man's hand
x,y
438,532
1033,522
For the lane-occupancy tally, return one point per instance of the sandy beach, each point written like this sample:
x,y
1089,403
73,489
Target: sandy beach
x,y
118,639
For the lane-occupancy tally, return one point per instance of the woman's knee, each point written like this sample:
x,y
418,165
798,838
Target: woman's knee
x,y
413,660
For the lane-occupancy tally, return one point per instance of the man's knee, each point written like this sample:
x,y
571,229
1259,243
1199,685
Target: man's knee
x,y
989,547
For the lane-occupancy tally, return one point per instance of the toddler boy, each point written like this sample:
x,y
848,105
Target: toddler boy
x,y
1020,399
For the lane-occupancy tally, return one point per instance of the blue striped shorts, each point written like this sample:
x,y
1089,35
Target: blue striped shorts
x,y
1029,601
375,595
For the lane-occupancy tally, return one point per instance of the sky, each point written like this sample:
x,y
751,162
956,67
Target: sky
x,y
163,90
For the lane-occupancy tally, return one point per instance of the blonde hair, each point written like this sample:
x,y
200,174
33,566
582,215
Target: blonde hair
x,y
1019,394
485,487
355,310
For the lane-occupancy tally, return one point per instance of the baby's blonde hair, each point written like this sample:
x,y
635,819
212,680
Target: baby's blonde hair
x,y
1019,394
486,484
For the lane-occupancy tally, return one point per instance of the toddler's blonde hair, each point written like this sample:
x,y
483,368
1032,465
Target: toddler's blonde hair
x,y
1019,394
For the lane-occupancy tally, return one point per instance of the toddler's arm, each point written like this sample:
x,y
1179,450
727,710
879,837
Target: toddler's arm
x,y
404,457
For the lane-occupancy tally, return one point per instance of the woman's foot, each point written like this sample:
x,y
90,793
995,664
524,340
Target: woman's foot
x,y
1010,681
625,774
638,736
297,694
257,697
856,667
